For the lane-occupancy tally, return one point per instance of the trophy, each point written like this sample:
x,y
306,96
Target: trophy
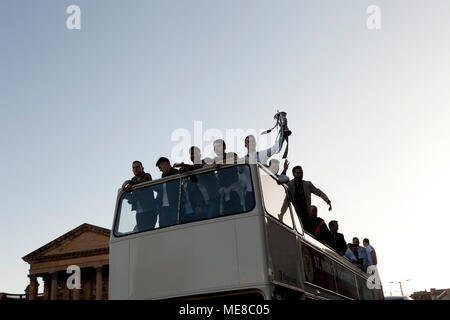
x,y
281,121
280,116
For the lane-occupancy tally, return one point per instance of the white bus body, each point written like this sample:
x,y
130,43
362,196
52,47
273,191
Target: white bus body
x,y
245,251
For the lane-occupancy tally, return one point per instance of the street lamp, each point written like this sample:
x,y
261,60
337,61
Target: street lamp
x,y
400,283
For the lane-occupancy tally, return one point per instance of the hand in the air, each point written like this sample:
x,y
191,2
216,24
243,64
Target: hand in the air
x,y
286,165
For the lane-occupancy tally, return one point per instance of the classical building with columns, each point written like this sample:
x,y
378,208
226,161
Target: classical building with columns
x,y
87,247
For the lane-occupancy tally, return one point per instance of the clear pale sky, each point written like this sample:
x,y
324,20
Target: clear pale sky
x,y
369,111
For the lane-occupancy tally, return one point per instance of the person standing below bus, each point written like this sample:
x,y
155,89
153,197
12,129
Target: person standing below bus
x,y
167,197
317,227
337,240
300,191
362,254
371,254
139,176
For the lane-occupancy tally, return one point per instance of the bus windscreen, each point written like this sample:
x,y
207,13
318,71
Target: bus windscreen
x,y
207,195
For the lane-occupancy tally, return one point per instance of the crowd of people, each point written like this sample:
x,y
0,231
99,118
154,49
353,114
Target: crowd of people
x,y
299,193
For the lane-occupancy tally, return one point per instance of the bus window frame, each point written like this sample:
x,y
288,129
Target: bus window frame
x,y
294,213
358,273
178,177
314,243
270,174
144,185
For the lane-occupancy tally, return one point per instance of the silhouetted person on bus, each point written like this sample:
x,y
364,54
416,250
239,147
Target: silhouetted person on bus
x,y
337,240
300,191
196,158
139,176
262,156
165,167
200,195
354,249
352,254
222,157
233,183
371,254
362,254
274,167
141,201
317,227
194,197
193,204
167,197
207,183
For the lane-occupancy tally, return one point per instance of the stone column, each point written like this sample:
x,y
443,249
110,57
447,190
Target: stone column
x,y
33,287
65,293
106,282
98,283
46,286
76,294
54,286
87,284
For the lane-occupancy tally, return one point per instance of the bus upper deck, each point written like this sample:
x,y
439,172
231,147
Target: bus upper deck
x,y
216,231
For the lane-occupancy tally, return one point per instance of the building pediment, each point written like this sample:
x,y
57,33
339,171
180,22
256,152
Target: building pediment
x,y
84,240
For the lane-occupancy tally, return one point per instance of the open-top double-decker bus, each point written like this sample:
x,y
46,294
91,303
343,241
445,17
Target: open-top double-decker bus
x,y
220,232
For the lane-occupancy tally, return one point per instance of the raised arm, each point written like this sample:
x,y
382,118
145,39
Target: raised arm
x,y
283,178
275,148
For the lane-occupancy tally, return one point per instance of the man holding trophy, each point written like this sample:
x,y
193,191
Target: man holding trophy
x,y
254,156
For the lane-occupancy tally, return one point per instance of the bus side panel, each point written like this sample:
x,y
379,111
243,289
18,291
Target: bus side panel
x,y
323,272
284,256
118,269
318,268
251,250
346,282
368,291
199,258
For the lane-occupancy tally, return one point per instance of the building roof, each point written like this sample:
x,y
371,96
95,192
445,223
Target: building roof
x,y
92,240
